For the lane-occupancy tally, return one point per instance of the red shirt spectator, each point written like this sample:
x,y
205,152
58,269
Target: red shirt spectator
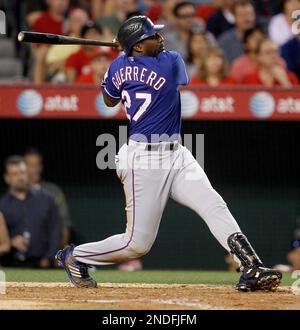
x,y
80,61
244,66
223,82
51,21
47,24
247,64
255,78
99,65
269,72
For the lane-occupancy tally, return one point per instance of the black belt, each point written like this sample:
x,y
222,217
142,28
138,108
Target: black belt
x,y
167,147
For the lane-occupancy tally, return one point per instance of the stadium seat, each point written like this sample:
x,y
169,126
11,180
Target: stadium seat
x,y
10,68
7,48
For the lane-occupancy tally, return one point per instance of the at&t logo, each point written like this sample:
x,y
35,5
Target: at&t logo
x,y
262,105
30,103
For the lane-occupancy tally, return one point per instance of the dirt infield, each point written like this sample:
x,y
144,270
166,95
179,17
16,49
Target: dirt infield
x,y
142,296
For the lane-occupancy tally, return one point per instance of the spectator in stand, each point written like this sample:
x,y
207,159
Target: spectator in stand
x,y
51,21
101,8
57,54
205,10
163,12
231,41
290,51
213,71
280,27
99,65
97,8
112,22
198,45
185,20
80,62
31,218
34,10
246,64
269,72
222,20
35,168
78,17
4,237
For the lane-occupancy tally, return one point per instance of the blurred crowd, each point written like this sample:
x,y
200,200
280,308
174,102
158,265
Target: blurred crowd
x,y
34,215
223,42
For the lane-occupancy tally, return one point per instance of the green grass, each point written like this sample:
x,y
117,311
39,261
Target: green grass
x,y
145,276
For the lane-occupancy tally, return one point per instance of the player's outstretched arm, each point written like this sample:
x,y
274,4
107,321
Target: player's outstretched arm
x,y
109,101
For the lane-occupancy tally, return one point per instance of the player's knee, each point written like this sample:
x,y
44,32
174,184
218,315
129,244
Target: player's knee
x,y
140,249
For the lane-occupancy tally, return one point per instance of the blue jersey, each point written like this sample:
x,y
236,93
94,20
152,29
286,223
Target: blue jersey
x,y
148,88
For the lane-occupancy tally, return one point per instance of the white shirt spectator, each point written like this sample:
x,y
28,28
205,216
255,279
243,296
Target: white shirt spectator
x,y
280,30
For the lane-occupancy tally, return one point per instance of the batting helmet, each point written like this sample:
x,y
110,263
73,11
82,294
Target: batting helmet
x,y
135,29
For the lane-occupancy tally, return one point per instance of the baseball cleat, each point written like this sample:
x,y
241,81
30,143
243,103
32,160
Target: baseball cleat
x,y
77,272
259,278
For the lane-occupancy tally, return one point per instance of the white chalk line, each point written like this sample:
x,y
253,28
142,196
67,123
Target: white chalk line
x,y
175,302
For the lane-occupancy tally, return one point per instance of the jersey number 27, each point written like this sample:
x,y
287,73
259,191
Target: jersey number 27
x,y
143,107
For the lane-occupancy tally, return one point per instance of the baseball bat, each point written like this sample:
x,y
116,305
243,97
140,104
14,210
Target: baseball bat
x,y
58,39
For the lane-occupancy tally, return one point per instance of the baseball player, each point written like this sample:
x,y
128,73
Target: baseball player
x,y
154,166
